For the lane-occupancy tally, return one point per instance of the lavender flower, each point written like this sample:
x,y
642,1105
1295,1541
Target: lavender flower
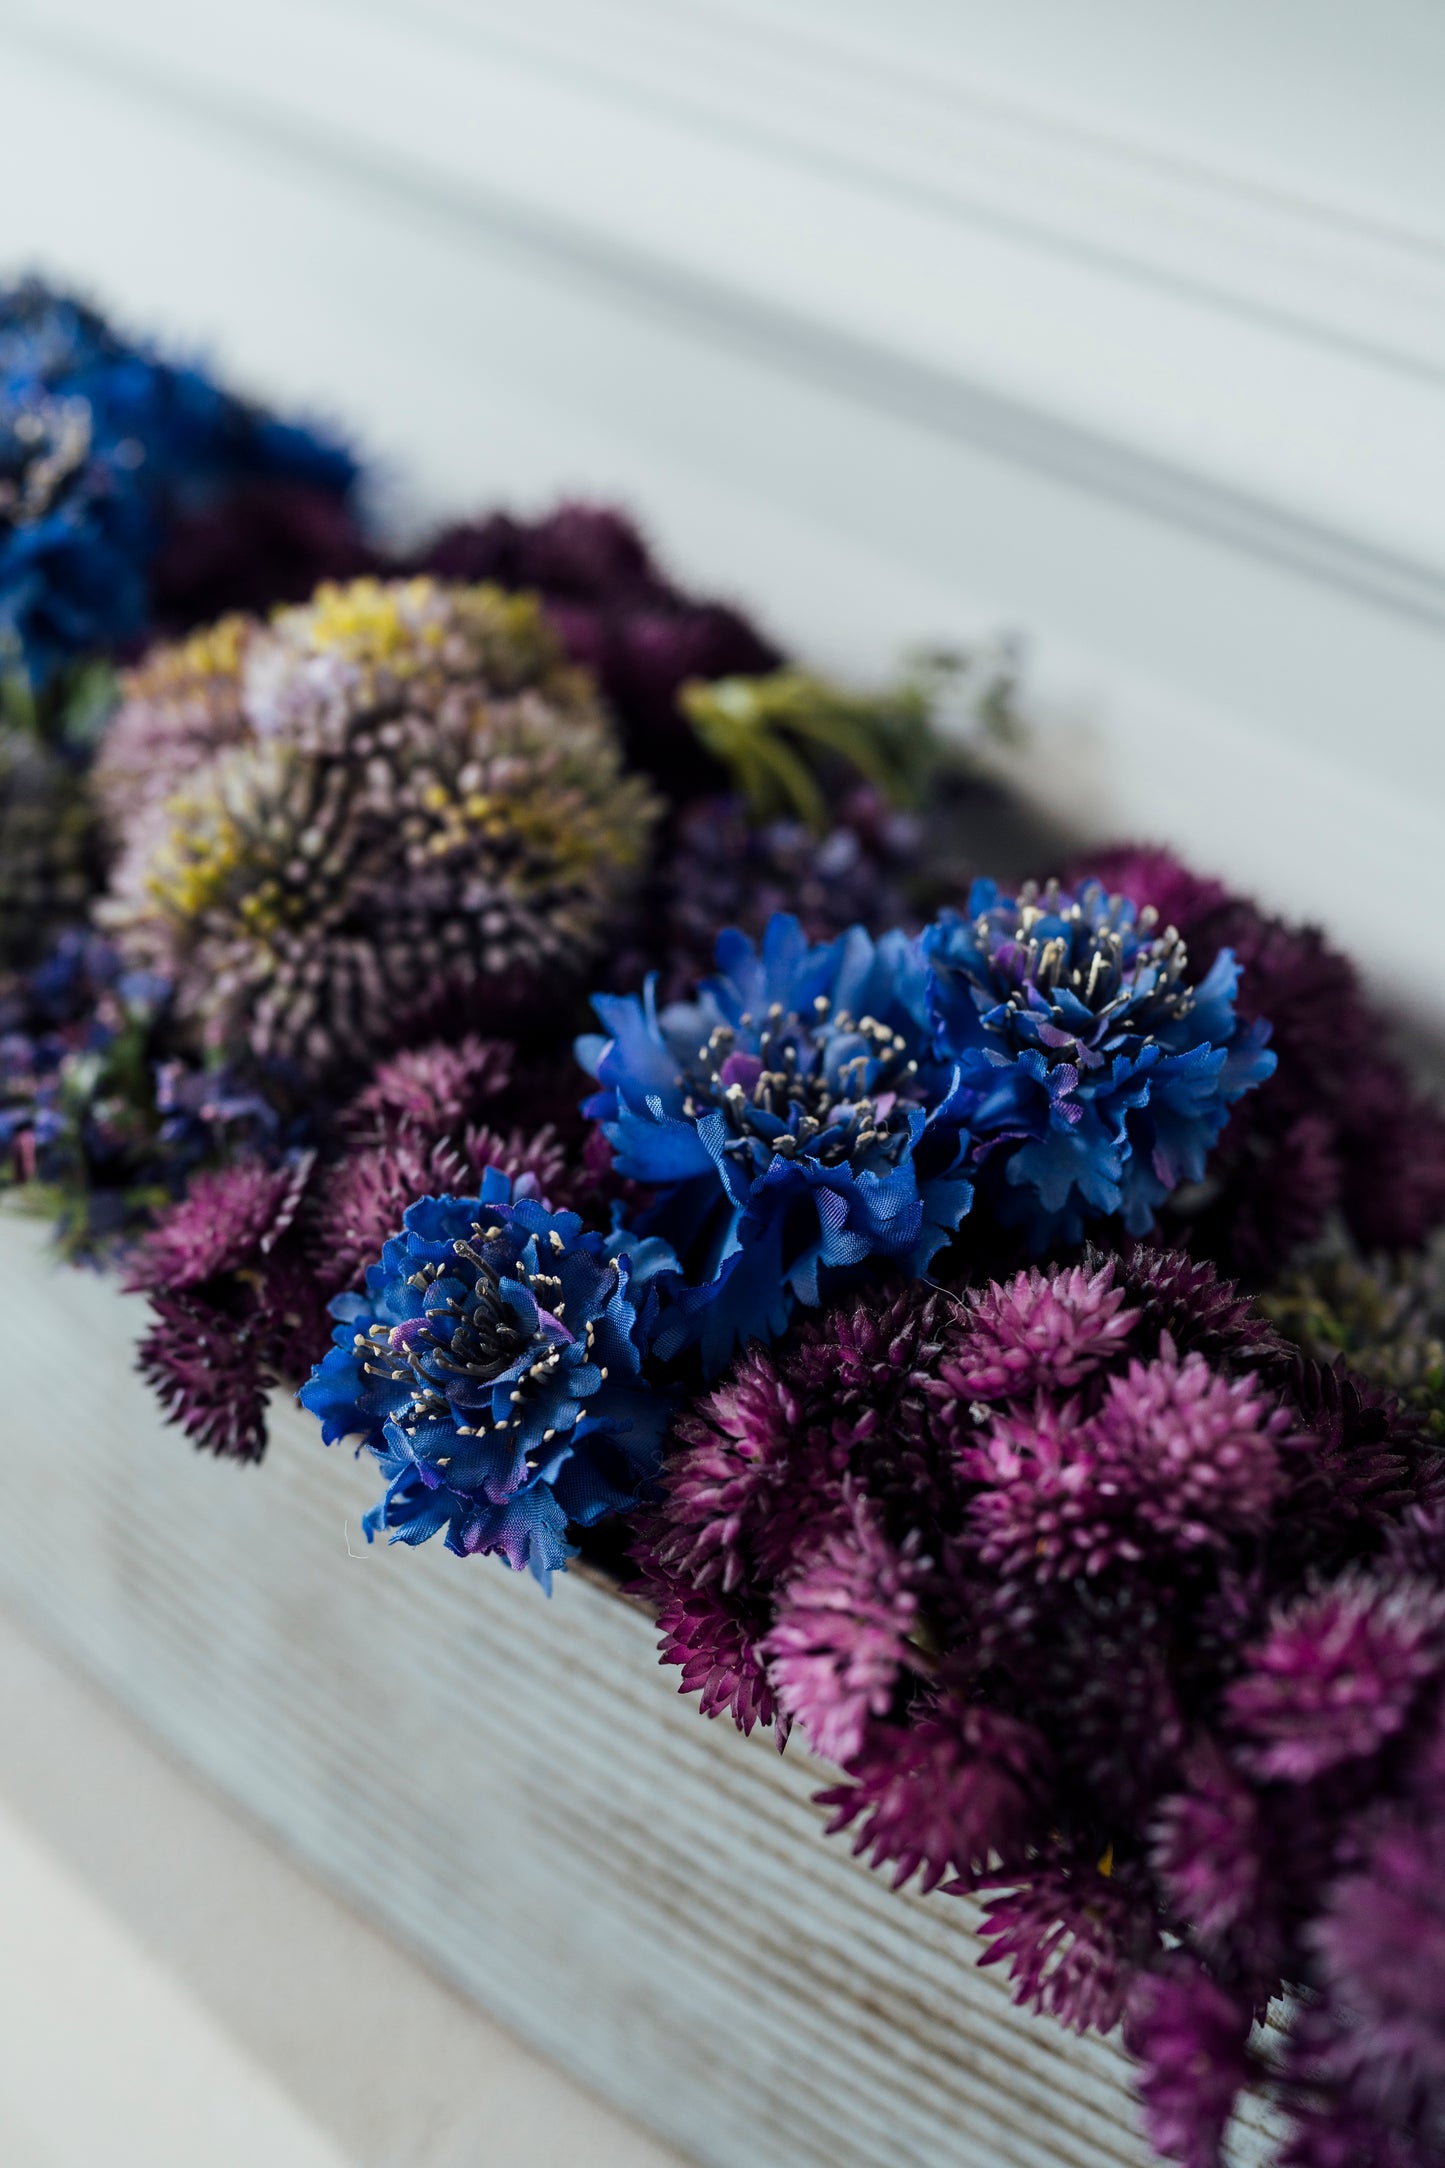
x,y
95,1120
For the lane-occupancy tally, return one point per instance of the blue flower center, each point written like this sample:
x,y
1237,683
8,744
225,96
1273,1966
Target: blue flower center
x,y
1081,974
832,1088
473,1332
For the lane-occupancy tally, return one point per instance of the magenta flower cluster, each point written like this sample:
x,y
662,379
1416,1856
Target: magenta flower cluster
x,y
1126,1622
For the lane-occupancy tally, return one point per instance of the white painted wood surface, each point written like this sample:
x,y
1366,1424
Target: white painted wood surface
x,y
102,2060
179,1993
1122,324
514,1788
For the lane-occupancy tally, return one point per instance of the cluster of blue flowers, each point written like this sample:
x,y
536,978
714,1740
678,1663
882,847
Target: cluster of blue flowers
x,y
818,1107
818,1110
102,444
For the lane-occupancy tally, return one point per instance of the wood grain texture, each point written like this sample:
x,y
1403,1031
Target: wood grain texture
x,y
515,1789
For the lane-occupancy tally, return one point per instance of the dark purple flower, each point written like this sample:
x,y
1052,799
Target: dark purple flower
x,y
843,1631
718,868
1338,1675
1190,2040
1338,1127
943,1794
360,1201
432,1091
1176,1459
715,1641
728,1485
224,1217
617,613
1201,1312
1039,1329
1381,1947
1212,1856
269,540
1072,1935
211,1374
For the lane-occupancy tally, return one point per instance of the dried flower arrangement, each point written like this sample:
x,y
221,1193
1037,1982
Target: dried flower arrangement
x,y
996,1326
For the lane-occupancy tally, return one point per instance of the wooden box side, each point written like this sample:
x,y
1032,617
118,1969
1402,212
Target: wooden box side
x,y
516,1790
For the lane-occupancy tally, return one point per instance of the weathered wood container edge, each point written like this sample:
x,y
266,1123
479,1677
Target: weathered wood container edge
x,y
515,1789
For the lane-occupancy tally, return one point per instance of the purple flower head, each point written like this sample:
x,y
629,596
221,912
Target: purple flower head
x,y
789,1122
1177,1459
270,539
1190,2039
1098,1074
1338,1675
211,1373
494,1368
224,1217
361,1201
1211,1854
715,1641
1381,1947
728,1484
432,1091
942,1795
1072,1935
1040,1330
756,1481
843,1632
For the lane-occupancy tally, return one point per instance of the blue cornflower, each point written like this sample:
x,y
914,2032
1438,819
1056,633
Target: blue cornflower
x,y
791,1121
494,1367
1097,1074
76,528
102,445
